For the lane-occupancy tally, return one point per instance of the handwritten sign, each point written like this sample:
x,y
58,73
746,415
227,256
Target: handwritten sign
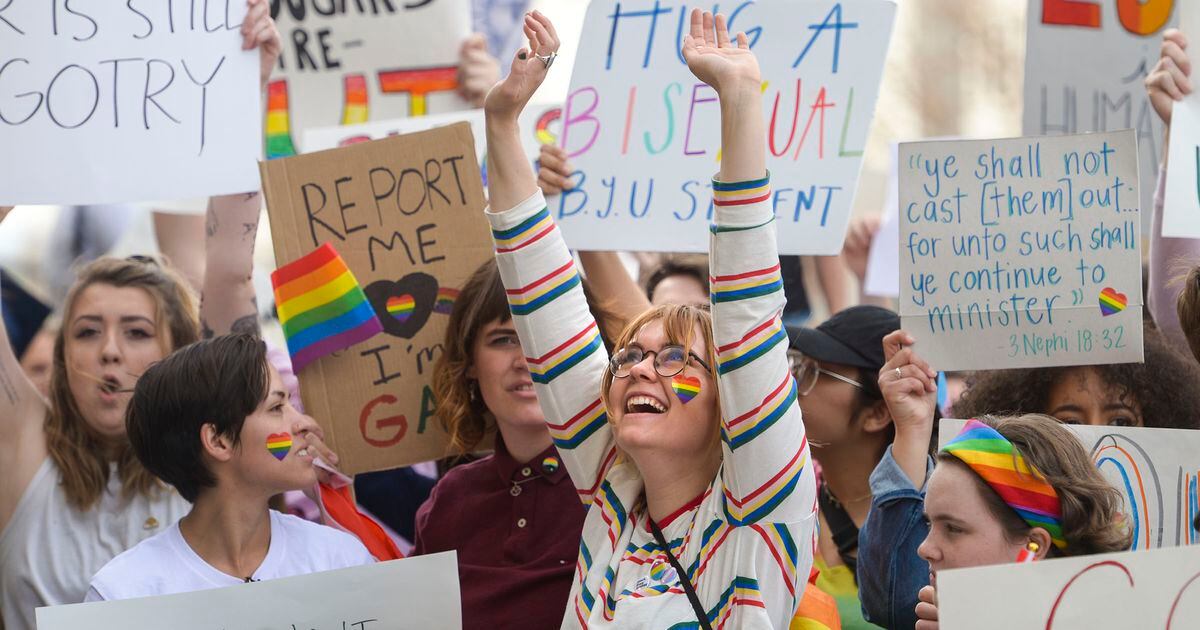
x,y
1155,469
1026,251
1181,203
406,214
351,62
1085,66
644,133
1116,591
125,101
409,594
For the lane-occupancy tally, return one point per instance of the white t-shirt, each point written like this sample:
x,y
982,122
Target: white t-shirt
x,y
166,564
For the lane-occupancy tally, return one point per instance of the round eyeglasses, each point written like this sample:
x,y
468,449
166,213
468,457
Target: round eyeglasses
x,y
668,361
807,371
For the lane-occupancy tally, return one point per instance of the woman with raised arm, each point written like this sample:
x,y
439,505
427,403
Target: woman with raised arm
x,y
73,495
691,456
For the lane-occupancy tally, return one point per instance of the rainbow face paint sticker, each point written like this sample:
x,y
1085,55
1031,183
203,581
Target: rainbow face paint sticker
x,y
686,387
1112,302
279,444
401,307
550,464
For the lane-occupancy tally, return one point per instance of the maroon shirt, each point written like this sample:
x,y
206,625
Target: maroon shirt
x,y
516,527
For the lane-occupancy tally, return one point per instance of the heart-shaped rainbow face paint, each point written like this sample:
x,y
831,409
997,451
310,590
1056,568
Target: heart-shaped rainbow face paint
x,y
401,307
686,387
279,444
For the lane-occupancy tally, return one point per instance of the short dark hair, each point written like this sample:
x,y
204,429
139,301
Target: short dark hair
x,y
670,268
217,381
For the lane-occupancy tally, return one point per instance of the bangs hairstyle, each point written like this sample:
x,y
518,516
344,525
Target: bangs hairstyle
x,y
679,323
481,301
1093,518
219,381
82,456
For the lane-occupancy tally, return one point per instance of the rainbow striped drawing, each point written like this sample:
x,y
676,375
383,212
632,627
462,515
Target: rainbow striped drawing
x,y
445,300
321,307
354,108
401,307
1112,302
279,444
278,127
686,387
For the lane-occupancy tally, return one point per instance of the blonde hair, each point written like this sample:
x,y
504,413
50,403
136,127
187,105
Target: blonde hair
x,y
1188,309
75,448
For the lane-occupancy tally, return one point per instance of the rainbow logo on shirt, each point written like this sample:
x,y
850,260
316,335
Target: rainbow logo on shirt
x,y
401,307
279,444
686,387
550,464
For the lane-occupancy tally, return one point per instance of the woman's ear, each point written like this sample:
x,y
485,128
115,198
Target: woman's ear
x,y
876,417
1043,540
216,446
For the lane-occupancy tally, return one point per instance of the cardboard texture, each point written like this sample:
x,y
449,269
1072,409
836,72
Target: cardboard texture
x,y
644,134
346,63
409,594
1113,591
1022,252
108,102
406,214
1154,469
1085,66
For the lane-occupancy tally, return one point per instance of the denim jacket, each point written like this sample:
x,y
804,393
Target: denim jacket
x,y
890,573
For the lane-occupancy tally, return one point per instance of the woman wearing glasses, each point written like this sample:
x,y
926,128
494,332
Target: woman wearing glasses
x,y
692,455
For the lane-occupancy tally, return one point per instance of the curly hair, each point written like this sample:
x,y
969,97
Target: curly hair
x,y
1092,509
1166,387
1188,309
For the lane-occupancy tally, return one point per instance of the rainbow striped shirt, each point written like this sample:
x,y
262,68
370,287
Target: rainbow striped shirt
x,y
747,542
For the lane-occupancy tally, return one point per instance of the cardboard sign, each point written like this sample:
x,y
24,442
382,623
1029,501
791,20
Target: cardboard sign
x,y
1085,67
1022,252
1115,591
644,133
406,214
351,62
409,594
106,102
1156,471
1181,202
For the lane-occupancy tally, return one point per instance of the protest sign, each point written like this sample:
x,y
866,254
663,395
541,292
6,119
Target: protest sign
x,y
644,134
406,214
1181,207
883,259
1021,252
1113,591
1154,469
126,101
351,62
409,594
1085,66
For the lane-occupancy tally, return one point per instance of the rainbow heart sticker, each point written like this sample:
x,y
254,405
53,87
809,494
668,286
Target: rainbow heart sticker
x,y
1112,302
279,444
401,307
686,387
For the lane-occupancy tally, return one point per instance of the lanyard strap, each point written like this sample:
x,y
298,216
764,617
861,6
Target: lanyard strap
x,y
701,616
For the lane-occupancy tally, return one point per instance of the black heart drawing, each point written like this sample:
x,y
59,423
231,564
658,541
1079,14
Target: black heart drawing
x,y
413,298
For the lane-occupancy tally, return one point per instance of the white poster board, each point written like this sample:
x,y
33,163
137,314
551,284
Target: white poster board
x,y
1116,591
410,594
1021,252
349,62
1181,202
1155,470
107,102
883,259
644,134
1085,67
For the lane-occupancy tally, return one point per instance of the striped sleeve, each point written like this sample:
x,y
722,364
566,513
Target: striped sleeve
x,y
767,474
559,336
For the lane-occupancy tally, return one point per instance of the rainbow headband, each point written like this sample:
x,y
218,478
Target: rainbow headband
x,y
1005,470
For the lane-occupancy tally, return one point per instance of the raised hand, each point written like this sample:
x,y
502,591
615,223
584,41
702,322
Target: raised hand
x,y
478,71
554,170
529,67
908,384
717,60
856,250
258,31
1169,81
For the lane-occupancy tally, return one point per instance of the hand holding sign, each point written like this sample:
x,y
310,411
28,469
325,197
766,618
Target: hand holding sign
x,y
1169,81
529,67
258,30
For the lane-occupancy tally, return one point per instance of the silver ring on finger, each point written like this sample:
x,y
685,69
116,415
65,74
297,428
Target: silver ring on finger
x,y
547,60
899,374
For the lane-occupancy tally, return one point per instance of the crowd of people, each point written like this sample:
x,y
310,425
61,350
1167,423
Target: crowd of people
x,y
701,459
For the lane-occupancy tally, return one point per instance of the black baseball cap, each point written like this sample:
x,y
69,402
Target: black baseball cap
x,y
853,336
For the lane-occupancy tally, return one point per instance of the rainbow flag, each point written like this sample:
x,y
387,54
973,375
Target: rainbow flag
x,y
321,307
445,300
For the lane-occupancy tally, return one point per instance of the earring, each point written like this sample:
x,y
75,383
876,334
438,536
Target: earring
x,y
1029,553
473,391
